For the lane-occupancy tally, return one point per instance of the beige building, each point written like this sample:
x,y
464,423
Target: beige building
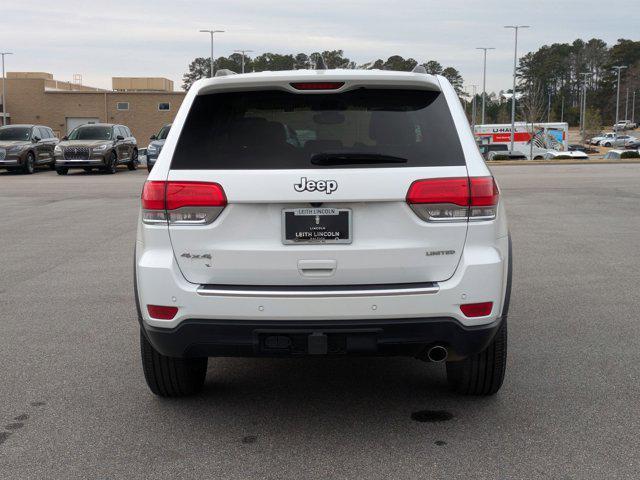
x,y
143,104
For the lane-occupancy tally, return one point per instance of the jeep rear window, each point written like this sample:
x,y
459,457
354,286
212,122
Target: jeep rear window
x,y
282,130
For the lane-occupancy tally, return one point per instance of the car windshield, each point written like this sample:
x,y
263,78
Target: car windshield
x,y
364,128
90,132
164,131
15,133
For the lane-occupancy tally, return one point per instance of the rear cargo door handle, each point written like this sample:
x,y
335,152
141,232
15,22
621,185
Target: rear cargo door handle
x,y
317,268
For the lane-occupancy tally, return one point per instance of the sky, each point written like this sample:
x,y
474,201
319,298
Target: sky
x,y
104,39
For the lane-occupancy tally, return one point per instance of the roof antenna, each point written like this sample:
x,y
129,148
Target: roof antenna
x,y
419,69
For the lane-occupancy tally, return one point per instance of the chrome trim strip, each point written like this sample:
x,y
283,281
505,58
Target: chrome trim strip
x,y
381,292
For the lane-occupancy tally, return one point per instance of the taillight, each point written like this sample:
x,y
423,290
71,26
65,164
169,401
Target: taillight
x,y
472,310
162,312
454,199
182,203
317,85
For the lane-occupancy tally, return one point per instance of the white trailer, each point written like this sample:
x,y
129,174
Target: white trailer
x,y
546,136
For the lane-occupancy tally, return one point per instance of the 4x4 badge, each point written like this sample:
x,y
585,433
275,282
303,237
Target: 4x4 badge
x,y
326,186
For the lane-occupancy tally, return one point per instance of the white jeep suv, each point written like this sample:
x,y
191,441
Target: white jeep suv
x,y
322,213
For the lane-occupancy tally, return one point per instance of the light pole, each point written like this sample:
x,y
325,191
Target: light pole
x,y
4,95
583,103
633,108
211,32
618,68
626,106
515,64
484,77
243,53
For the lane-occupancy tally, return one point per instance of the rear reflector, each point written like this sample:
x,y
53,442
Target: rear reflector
x,y
477,309
317,85
161,312
182,203
454,199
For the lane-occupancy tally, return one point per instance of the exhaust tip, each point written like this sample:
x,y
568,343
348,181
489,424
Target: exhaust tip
x,y
437,354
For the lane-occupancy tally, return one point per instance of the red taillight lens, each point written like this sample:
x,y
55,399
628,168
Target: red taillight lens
x,y
194,194
454,199
153,195
477,309
161,312
182,203
484,191
440,190
317,85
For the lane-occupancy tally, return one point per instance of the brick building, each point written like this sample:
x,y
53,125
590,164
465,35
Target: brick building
x,y
143,104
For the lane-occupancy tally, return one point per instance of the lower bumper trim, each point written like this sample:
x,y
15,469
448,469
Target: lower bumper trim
x,y
271,338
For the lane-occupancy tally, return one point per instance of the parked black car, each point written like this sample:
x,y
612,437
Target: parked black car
x,y
582,148
25,147
157,142
98,145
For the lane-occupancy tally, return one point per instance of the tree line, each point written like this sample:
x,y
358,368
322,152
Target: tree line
x,y
550,79
201,67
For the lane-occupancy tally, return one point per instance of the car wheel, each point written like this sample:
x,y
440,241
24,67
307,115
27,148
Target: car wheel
x,y
52,165
112,163
482,373
608,144
169,376
62,171
133,163
29,162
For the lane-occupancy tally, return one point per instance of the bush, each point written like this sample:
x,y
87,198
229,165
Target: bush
x,y
501,157
630,154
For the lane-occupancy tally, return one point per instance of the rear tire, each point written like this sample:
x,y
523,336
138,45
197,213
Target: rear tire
x,y
62,171
133,163
169,376
482,373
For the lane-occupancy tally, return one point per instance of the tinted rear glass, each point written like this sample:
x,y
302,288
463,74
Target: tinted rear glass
x,y
15,133
282,130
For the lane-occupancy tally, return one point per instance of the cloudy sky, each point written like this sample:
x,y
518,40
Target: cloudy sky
x,y
101,39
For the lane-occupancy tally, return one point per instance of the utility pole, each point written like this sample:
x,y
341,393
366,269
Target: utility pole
x,y
243,52
4,94
211,32
618,68
484,78
633,108
562,110
626,106
583,103
513,92
549,108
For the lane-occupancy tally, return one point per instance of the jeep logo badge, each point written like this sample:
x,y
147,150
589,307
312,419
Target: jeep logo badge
x,y
326,186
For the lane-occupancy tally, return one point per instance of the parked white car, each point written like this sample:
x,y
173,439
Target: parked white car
x,y
625,125
574,155
603,136
380,232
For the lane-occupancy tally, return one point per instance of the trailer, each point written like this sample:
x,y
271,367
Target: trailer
x,y
546,136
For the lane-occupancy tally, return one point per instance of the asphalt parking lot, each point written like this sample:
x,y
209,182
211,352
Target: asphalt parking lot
x,y
73,402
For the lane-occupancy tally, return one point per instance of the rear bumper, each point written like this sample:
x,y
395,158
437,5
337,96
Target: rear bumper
x,y
411,337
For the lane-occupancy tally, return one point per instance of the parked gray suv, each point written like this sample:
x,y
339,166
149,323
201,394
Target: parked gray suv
x,y
157,142
98,145
25,147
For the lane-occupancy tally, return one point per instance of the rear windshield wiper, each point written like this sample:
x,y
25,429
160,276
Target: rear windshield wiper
x,y
353,158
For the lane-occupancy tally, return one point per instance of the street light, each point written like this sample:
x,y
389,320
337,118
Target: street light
x,y
473,107
484,78
4,95
618,68
243,53
211,32
583,103
515,64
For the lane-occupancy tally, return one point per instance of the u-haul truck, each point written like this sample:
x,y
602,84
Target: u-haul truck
x,y
546,136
